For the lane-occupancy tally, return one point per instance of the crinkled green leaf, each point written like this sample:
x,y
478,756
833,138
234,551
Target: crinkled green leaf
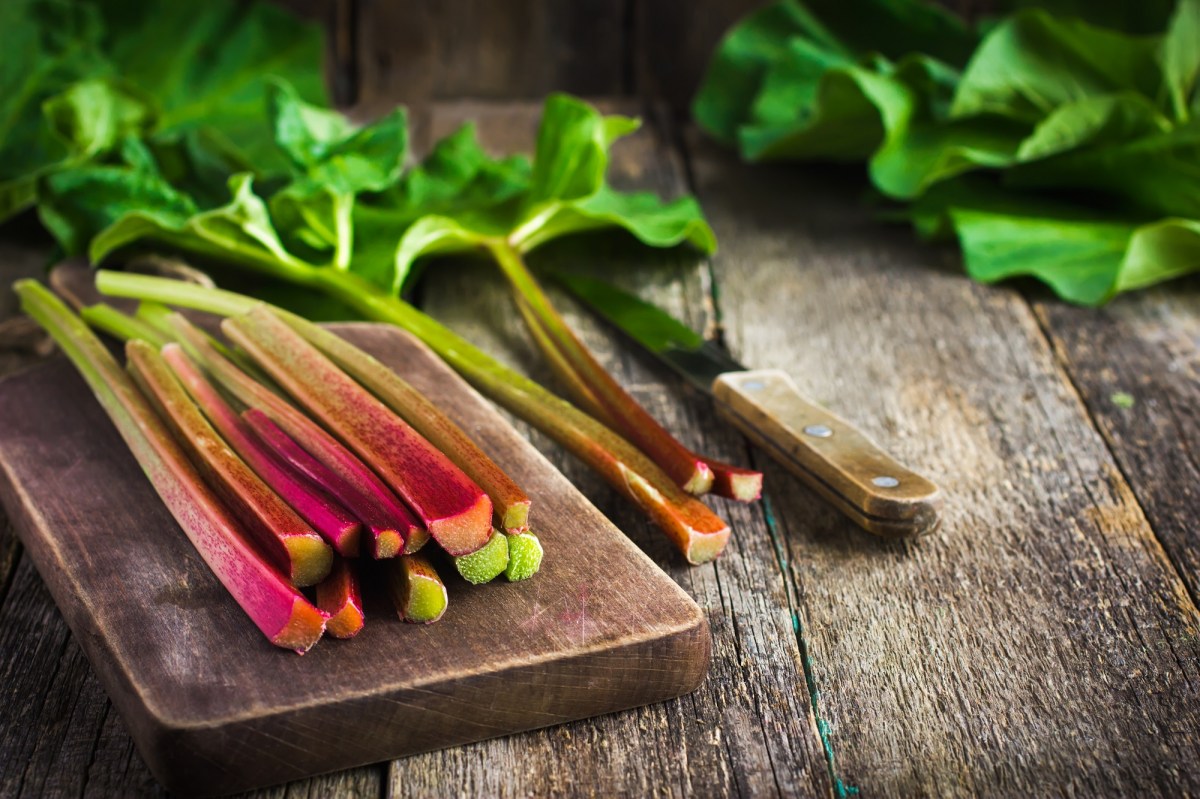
x,y
208,64
1093,122
48,45
240,231
1086,262
1143,16
466,199
1032,63
1158,173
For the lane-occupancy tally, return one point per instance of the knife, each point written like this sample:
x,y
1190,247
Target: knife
x,y
825,451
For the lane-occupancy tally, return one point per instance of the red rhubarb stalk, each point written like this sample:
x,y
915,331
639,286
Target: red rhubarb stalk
x,y
695,529
394,529
457,513
331,520
382,516
338,595
509,502
281,612
286,539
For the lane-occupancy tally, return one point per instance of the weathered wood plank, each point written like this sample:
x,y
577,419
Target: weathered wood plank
x,y
1042,642
418,51
749,729
1137,366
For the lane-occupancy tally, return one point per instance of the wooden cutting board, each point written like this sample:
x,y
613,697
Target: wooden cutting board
x,y
214,708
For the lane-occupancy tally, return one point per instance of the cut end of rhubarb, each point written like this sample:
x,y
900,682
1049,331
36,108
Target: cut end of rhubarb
x,y
701,481
348,541
417,591
516,518
303,627
465,532
705,547
487,563
524,556
417,538
346,623
311,559
734,482
386,544
695,530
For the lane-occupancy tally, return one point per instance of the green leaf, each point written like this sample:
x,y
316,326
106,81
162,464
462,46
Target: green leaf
x,y
572,150
1086,262
1157,174
1093,121
240,231
1180,58
208,64
1032,63
48,45
649,219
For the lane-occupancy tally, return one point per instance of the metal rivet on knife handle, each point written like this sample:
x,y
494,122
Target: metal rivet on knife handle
x,y
829,454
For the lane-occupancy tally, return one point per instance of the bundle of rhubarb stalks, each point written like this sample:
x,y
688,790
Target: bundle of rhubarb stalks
x,y
286,454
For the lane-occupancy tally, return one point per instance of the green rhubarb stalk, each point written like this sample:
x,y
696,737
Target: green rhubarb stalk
x,y
509,502
281,612
694,529
158,316
339,596
393,529
456,511
524,556
108,319
486,563
287,540
416,589
327,517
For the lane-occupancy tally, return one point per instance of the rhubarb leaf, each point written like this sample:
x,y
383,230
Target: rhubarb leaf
x,y
49,44
566,193
1062,124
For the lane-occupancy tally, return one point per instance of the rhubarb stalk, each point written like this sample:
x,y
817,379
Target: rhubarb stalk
x,y
486,563
286,539
509,502
393,527
524,557
339,596
281,612
417,591
108,319
454,509
331,520
698,533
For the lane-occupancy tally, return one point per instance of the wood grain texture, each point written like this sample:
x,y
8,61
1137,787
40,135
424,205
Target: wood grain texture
x,y
1137,366
1042,643
161,633
749,730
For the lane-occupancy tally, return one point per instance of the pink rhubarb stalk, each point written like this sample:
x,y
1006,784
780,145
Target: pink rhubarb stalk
x,y
509,502
286,539
338,595
281,612
331,520
381,514
394,529
457,513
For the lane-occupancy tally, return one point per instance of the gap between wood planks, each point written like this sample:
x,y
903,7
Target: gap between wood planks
x,y
660,116
1087,401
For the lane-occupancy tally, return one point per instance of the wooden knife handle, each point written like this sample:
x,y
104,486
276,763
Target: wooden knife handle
x,y
829,454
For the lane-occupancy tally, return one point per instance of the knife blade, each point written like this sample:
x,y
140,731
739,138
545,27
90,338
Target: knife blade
x,y
825,451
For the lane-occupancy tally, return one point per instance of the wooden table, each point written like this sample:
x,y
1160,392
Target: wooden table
x,y
1044,642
